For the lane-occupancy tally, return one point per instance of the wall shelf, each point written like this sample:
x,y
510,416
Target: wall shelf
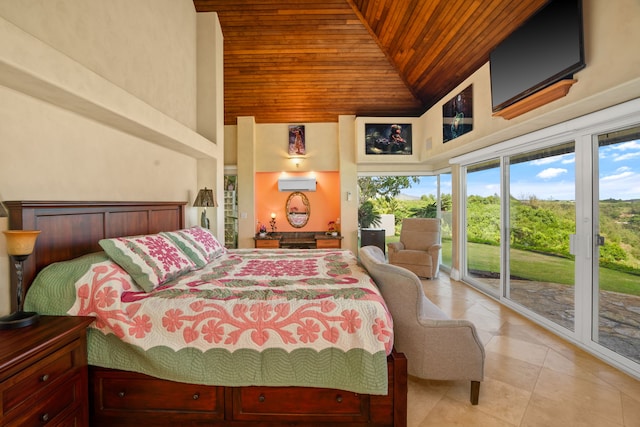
x,y
538,99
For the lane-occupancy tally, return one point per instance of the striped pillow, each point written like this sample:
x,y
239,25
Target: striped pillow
x,y
198,243
151,260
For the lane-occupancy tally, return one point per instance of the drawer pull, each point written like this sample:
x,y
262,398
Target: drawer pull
x,y
261,398
339,398
44,418
44,378
121,394
196,396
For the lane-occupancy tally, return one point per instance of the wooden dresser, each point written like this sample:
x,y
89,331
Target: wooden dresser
x,y
298,240
43,373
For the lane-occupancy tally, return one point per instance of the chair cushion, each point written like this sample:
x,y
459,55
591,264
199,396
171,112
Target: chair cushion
x,y
419,240
409,256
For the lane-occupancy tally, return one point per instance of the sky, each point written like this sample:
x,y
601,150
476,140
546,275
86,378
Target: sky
x,y
553,178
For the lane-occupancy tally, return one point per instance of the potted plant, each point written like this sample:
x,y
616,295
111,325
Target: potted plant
x,y
332,229
263,230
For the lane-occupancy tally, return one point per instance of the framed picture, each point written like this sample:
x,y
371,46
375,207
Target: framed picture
x,y
457,115
388,138
297,146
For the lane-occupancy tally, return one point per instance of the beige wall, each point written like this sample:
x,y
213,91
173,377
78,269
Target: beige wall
x,y
98,102
140,45
272,145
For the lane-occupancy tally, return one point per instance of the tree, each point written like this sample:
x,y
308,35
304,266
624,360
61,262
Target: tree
x,y
372,187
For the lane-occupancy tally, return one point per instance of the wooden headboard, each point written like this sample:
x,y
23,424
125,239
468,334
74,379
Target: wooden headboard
x,y
71,229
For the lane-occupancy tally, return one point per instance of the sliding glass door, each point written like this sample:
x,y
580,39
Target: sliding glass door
x,y
542,219
482,225
616,290
551,227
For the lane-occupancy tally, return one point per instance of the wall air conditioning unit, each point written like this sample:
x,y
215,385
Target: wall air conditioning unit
x,y
296,184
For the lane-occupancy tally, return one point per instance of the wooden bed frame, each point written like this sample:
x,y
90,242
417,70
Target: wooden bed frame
x,y
72,229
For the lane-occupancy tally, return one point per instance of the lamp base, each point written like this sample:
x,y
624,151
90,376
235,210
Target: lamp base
x,y
204,221
19,319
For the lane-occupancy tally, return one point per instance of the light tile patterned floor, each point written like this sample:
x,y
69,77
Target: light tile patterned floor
x,y
532,377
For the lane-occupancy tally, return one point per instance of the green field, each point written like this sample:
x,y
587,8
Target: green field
x,y
540,232
541,268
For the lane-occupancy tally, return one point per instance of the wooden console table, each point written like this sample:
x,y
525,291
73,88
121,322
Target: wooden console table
x,y
298,240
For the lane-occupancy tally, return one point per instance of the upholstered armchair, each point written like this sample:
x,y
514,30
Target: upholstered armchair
x,y
419,247
436,346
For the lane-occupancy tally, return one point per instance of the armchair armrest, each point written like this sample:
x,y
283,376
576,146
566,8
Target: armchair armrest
x,y
451,350
395,246
433,249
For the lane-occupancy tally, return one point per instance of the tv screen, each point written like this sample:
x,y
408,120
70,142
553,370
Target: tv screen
x,y
544,50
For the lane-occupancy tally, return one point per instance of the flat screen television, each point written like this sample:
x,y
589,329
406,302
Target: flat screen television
x,y
544,50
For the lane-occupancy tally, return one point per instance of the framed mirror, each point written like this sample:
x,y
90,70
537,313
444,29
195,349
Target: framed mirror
x,y
297,209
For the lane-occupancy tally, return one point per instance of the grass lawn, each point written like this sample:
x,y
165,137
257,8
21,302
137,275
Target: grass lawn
x,y
539,267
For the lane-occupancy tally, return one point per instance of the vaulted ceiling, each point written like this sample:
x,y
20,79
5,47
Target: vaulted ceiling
x,y
313,60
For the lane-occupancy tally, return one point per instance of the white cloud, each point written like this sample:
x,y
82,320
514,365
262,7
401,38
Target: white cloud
x,y
617,177
629,145
551,173
626,156
544,161
563,158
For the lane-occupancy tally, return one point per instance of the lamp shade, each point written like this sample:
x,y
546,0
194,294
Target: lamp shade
x,y
21,242
205,199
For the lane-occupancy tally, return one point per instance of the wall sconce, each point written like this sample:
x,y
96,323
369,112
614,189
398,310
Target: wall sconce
x,y
272,222
20,244
297,160
204,200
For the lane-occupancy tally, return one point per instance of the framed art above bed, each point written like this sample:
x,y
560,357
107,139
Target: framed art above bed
x,y
247,296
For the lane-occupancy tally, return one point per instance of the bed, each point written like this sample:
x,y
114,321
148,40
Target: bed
x,y
305,382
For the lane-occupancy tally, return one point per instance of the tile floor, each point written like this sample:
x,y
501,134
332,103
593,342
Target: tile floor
x,y
532,377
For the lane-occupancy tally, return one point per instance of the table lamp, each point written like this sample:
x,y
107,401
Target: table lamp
x,y
20,244
204,200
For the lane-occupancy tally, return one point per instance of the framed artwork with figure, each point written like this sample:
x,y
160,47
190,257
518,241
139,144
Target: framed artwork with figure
x,y
297,145
457,115
388,138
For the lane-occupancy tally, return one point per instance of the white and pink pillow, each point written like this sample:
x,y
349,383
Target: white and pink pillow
x,y
151,260
198,243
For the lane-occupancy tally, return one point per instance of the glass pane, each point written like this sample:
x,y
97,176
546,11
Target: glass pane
x,y
542,217
447,218
483,225
617,291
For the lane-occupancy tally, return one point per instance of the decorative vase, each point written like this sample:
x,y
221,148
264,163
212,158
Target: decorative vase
x,y
263,234
334,233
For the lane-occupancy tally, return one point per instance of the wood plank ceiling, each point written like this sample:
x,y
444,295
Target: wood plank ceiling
x,y
312,60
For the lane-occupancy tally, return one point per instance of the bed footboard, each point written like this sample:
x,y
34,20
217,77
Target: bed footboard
x,y
130,399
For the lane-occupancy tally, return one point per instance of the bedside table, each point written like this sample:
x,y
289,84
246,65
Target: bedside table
x,y
43,373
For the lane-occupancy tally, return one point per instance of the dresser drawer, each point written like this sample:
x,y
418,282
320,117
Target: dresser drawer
x,y
43,373
328,243
267,243
38,376
289,403
53,407
144,393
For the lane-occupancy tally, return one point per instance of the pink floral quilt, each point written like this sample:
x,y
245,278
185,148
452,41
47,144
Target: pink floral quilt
x,y
290,315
